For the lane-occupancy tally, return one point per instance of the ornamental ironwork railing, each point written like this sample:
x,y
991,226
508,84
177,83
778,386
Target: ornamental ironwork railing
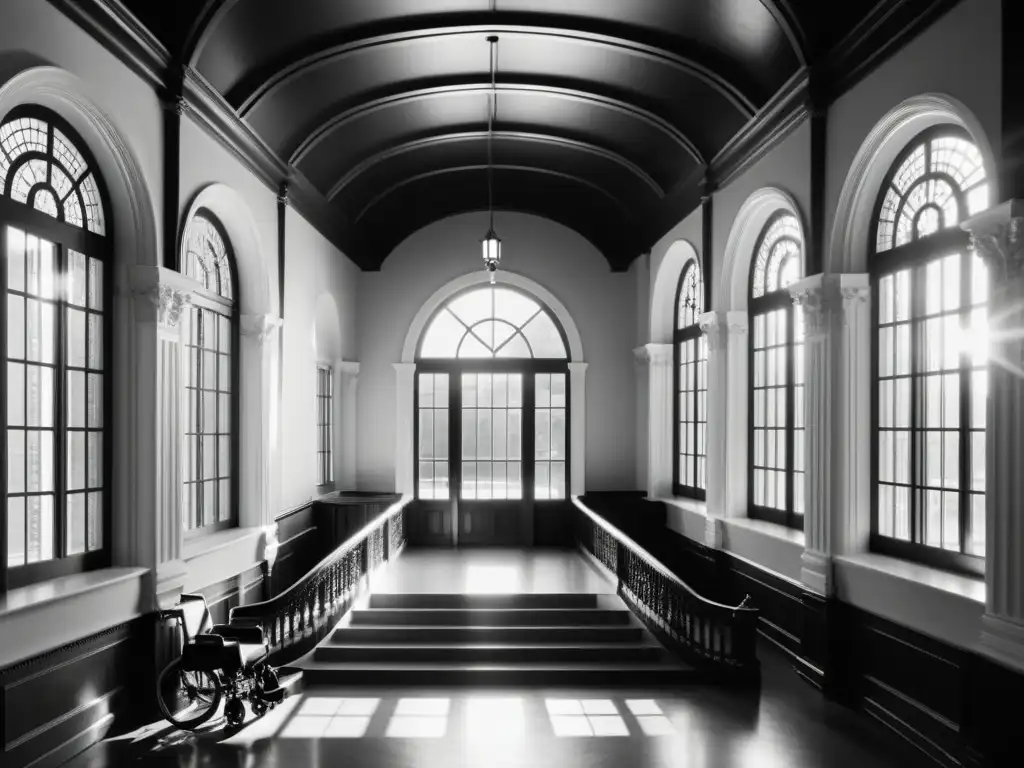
x,y
719,638
298,618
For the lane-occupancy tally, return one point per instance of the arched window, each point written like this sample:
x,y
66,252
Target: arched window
x,y
210,475
53,223
691,386
492,391
930,355
777,380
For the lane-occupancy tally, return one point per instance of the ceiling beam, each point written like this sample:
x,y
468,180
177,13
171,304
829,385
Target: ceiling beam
x,y
470,136
246,96
655,121
788,19
504,167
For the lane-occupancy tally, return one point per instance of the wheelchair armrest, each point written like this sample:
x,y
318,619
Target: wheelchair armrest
x,y
243,634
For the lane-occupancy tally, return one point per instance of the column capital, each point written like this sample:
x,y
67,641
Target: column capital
x,y
163,295
718,325
823,296
997,236
259,327
578,367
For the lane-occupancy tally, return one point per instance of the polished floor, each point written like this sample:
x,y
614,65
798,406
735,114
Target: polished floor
x,y
691,726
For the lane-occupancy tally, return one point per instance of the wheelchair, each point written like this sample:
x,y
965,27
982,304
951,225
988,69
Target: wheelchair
x,y
221,661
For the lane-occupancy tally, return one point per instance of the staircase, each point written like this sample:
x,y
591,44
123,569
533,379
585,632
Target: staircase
x,y
505,640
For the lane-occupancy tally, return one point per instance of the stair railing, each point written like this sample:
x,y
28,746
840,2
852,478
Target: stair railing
x,y
298,618
719,638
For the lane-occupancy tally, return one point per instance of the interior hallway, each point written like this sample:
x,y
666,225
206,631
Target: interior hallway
x,y
787,723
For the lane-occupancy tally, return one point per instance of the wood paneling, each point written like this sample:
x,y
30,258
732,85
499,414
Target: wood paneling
x,y
60,702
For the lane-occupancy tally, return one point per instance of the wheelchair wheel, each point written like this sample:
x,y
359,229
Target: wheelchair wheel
x,y
234,711
186,698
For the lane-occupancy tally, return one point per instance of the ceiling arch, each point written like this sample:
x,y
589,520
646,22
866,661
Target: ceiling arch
x,y
459,140
374,103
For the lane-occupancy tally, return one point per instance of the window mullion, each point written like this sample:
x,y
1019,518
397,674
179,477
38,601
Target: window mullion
x,y
790,475
964,494
917,362
60,414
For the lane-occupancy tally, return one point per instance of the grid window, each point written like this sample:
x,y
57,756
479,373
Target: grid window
x,y
931,356
777,458
432,451
210,396
53,377
690,351
549,436
324,425
492,436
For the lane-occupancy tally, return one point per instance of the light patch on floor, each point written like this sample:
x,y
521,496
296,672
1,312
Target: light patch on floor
x,y
330,717
585,717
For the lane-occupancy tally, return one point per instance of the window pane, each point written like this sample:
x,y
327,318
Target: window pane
x,y
76,523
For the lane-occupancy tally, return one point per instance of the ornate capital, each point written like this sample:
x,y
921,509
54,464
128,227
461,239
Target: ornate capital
x,y
1002,248
259,326
819,297
659,355
716,332
170,303
640,356
997,236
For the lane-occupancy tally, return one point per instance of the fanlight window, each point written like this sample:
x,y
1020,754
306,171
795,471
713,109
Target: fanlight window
x,y
206,256
41,167
929,190
493,323
778,258
691,297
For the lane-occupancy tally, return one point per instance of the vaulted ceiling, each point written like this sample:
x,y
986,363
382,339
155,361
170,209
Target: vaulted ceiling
x,y
608,113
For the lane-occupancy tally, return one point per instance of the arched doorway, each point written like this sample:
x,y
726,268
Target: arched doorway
x,y
492,405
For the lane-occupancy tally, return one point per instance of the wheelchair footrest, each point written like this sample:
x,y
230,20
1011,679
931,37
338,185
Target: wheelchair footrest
x,y
273,695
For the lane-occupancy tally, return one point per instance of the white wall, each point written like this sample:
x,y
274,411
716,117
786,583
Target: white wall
x,y
315,271
602,303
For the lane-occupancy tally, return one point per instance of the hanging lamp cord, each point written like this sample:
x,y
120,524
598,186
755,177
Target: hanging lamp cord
x,y
490,131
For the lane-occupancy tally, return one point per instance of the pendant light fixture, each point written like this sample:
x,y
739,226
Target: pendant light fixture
x,y
491,244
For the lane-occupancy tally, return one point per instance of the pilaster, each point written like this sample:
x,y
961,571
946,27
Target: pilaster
x,y
346,383
405,446
732,461
823,300
715,326
660,418
577,428
260,349
162,298
997,236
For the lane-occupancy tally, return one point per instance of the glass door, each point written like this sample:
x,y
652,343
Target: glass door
x,y
490,505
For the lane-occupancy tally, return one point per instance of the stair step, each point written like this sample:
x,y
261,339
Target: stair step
x,y
487,617
465,653
548,675
439,600
534,635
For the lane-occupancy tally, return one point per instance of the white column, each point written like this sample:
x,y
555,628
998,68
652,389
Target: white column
x,y
823,299
405,414
852,436
660,419
998,237
734,476
642,407
346,391
259,490
578,428
715,326
163,296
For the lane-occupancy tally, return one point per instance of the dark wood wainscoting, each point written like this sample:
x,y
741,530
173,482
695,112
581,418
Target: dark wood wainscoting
x,y
54,705
957,706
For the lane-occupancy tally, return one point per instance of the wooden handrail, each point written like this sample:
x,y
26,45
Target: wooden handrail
x,y
630,543
299,616
717,637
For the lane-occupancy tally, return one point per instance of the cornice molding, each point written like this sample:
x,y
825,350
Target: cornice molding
x,y
120,32
888,27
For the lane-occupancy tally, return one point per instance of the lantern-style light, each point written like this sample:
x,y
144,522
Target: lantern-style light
x,y
491,251
491,244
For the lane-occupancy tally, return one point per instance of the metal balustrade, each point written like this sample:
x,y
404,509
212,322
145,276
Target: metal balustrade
x,y
295,620
716,637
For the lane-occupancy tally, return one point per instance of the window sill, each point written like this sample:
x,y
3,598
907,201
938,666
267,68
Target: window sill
x,y
687,517
943,604
777,548
52,613
956,584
